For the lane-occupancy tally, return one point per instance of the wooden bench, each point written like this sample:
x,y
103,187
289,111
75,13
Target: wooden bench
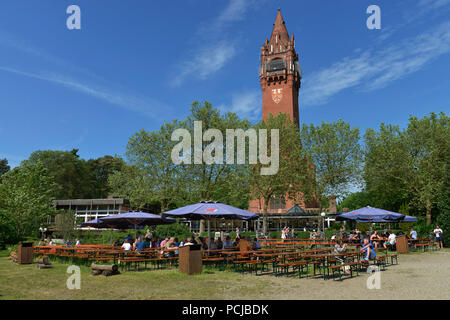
x,y
337,269
219,261
299,265
127,261
423,245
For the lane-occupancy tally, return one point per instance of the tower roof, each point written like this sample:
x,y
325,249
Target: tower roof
x,y
279,29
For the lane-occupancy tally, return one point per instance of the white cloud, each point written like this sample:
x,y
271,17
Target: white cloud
x,y
246,104
216,48
433,4
374,69
146,106
206,61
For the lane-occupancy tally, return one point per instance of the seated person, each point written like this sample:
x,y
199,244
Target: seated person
x,y
244,245
236,242
126,245
219,243
163,243
339,248
170,249
390,241
369,251
256,244
212,246
138,246
227,244
188,242
373,238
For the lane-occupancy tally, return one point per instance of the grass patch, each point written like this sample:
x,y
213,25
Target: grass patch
x,y
28,282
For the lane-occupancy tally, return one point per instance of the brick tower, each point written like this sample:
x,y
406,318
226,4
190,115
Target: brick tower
x,y
280,73
280,76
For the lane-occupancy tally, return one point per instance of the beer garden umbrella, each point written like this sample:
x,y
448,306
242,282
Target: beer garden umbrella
x,y
208,210
373,215
136,219
98,224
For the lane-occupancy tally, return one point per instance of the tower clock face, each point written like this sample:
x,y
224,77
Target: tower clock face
x,y
277,95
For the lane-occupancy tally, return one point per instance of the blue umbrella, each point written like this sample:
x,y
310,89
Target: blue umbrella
x,y
99,224
136,219
369,214
409,219
211,210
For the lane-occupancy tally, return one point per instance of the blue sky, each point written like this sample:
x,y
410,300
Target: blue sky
x,y
135,64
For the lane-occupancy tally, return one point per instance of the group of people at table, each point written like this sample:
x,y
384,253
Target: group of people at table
x,y
169,246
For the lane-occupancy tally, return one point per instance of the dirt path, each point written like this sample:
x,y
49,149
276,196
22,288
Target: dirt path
x,y
417,276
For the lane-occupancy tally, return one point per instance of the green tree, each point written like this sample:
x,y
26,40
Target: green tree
x,y
26,193
409,166
150,154
335,151
154,177
133,184
4,167
227,183
68,171
356,200
99,171
294,174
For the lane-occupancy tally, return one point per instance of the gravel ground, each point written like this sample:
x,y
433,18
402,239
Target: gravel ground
x,y
417,276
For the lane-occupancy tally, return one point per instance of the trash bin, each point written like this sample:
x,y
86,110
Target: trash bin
x,y
25,253
190,259
402,244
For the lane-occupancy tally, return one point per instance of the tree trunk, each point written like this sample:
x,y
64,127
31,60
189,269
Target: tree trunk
x,y
428,211
105,267
265,217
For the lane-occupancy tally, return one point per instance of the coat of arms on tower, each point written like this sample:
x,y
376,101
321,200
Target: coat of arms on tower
x,y
277,95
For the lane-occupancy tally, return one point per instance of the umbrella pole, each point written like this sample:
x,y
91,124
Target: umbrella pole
x,y
209,227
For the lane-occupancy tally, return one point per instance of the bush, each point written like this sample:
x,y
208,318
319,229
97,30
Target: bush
x,y
330,232
423,230
177,230
275,235
444,223
302,234
363,227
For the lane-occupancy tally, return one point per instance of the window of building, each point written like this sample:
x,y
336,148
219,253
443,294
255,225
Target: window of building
x,y
277,202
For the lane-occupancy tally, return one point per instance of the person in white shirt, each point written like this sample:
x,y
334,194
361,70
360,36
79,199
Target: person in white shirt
x,y
438,233
126,245
413,234
391,241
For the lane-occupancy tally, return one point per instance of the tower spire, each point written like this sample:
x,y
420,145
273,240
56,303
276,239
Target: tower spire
x,y
280,34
